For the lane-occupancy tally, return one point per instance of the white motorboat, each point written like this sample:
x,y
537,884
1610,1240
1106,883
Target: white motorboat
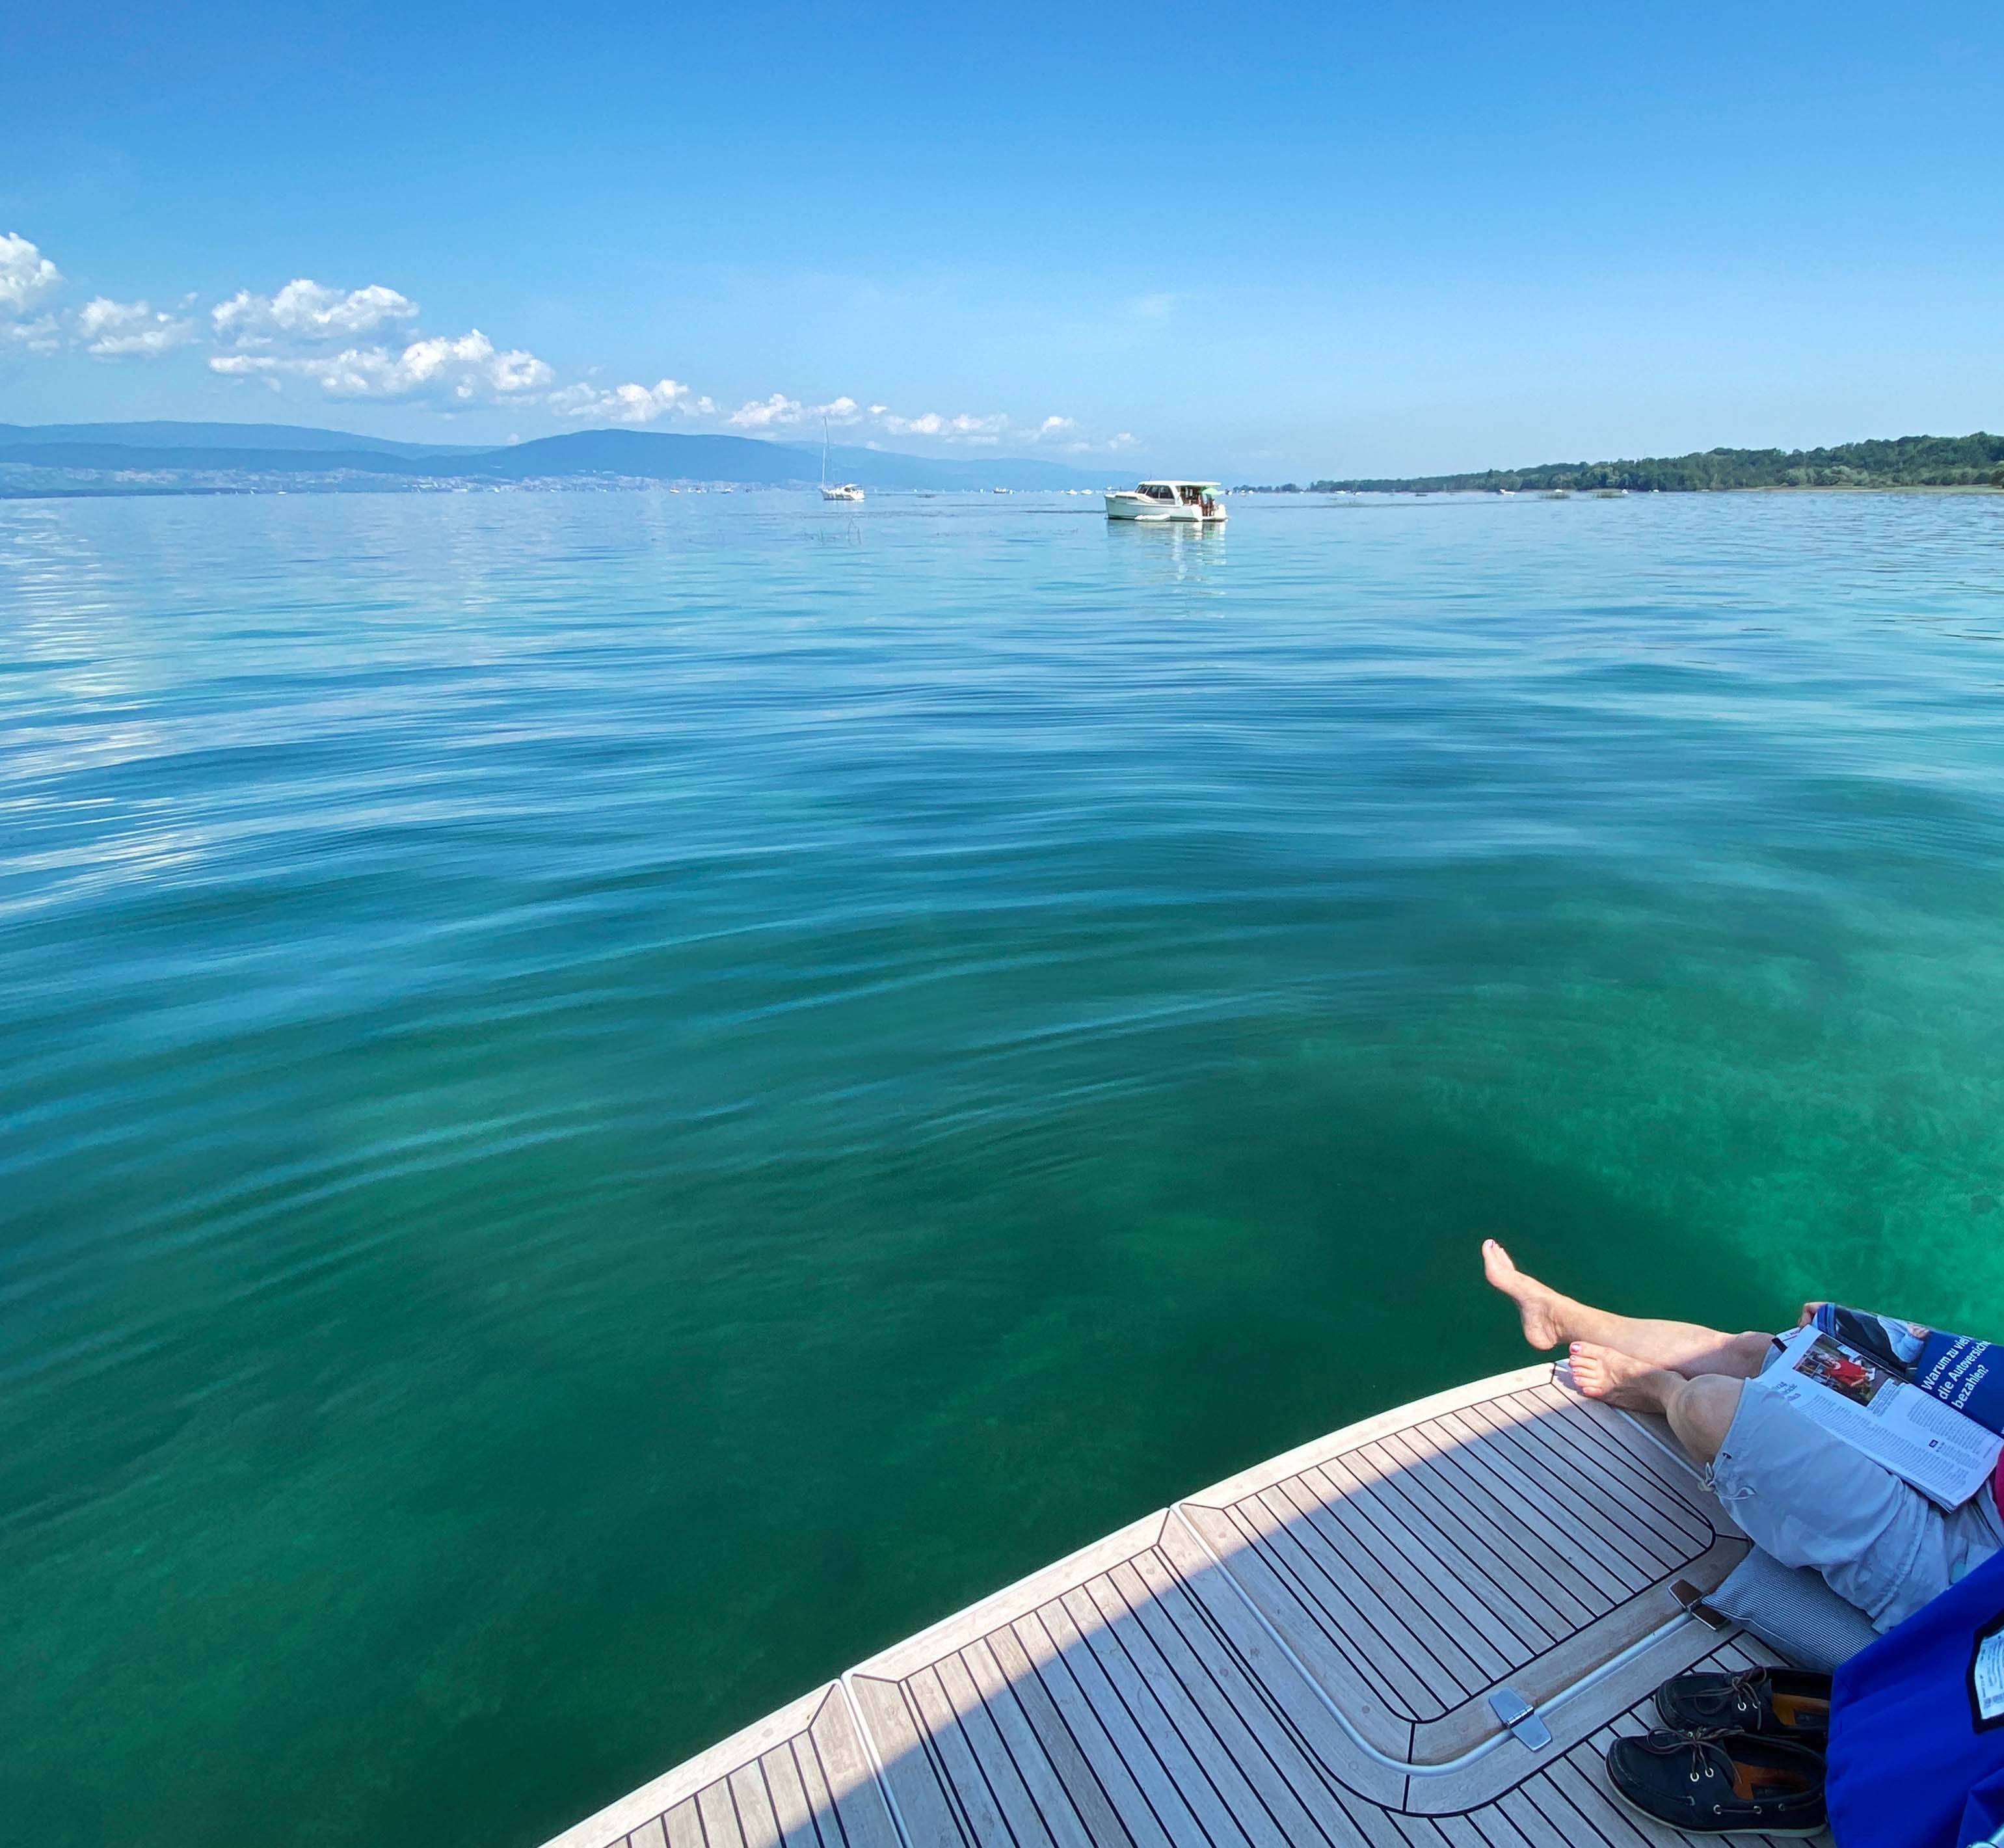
x,y
1197,501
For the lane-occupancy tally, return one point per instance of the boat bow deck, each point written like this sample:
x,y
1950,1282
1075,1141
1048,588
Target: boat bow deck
x,y
1327,1648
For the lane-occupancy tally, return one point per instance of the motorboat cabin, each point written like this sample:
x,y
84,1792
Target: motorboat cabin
x,y
1200,501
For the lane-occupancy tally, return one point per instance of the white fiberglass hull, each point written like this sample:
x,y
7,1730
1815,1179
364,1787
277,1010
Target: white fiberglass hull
x,y
1142,507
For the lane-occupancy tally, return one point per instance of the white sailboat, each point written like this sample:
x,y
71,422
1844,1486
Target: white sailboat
x,y
847,490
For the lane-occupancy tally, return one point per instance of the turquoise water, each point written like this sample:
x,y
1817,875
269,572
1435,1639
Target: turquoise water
x,y
612,1100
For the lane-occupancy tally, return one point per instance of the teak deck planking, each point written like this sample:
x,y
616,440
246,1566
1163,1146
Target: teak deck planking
x,y
1301,1655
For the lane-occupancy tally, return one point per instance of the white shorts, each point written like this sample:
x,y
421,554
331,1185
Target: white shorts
x,y
1810,1500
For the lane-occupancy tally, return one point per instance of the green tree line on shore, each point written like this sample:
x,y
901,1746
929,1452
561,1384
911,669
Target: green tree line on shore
x,y
1976,461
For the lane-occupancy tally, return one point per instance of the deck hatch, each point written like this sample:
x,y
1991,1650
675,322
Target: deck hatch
x,y
1414,1569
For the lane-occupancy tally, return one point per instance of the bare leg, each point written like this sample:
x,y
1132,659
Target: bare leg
x,y
1702,1414
1685,1348
1700,1410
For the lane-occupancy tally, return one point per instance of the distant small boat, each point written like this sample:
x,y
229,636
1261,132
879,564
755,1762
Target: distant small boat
x,y
1196,501
1558,493
1610,493
1000,490
845,490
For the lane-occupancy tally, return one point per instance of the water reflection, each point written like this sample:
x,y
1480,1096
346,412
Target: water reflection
x,y
1181,552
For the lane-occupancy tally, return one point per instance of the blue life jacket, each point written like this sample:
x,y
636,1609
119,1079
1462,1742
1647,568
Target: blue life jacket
x,y
1916,1726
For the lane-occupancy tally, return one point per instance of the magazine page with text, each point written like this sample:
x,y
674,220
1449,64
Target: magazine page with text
x,y
1948,1458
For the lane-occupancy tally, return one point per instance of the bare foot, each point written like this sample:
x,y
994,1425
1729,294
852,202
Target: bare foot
x,y
1621,1378
1538,1306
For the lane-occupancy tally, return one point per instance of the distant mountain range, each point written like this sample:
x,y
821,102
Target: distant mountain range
x,y
1974,461
166,457
261,436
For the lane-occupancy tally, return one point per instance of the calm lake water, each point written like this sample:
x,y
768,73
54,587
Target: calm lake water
x,y
610,1101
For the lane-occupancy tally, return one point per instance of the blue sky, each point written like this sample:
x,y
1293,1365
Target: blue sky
x,y
1252,240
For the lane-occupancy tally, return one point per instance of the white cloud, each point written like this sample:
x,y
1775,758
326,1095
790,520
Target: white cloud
x,y
469,370
470,362
630,403
310,331
40,335
1063,431
365,343
779,412
26,275
305,311
962,428
777,409
1117,444
112,329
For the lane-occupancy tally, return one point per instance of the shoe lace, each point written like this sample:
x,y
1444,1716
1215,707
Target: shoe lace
x,y
1747,1680
1698,1745
1741,1693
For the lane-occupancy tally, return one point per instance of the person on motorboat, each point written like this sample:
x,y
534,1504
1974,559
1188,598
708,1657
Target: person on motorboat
x,y
1904,1748
1801,1493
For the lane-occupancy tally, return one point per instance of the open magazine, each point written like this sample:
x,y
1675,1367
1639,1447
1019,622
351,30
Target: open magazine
x,y
1959,1369
1868,1391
